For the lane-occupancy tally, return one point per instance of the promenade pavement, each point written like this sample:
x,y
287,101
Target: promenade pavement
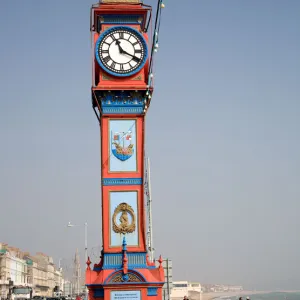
x,y
211,296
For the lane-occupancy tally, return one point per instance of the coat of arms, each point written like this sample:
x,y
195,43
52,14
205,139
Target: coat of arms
x,y
122,148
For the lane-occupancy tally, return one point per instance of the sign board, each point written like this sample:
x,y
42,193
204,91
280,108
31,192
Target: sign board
x,y
125,295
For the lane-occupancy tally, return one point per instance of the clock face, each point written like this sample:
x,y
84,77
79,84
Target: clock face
x,y
121,51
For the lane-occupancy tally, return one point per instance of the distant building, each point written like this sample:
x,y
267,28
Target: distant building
x,y
68,288
13,269
77,274
59,282
221,288
238,288
180,289
194,287
185,288
21,268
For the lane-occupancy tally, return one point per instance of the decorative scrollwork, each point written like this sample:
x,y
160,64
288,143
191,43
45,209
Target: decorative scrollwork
x,y
117,278
133,278
130,278
124,226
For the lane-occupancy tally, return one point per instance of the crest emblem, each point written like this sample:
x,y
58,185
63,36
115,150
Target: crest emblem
x,y
126,219
121,145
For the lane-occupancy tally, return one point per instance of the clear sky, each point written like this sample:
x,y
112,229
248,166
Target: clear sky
x,y
223,135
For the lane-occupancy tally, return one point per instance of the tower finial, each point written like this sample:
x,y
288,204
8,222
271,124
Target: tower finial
x,y
160,261
125,264
88,262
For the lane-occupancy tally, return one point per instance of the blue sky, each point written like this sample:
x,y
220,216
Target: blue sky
x,y
222,135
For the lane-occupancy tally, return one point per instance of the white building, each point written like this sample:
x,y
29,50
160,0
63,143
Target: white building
x,y
20,268
194,287
185,288
179,290
68,288
45,278
59,281
13,270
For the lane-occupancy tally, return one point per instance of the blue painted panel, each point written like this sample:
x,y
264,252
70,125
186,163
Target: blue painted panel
x,y
152,291
136,260
121,19
122,145
99,293
130,197
122,99
123,110
122,181
123,103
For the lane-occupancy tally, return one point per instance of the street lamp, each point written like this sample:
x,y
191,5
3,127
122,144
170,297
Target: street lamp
x,y
85,237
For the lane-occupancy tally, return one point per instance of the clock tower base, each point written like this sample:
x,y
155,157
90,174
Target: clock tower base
x,y
125,276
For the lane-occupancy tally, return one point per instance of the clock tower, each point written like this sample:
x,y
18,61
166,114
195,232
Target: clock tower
x,y
122,61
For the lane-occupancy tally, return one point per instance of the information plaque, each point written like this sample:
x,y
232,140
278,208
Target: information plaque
x,y
125,295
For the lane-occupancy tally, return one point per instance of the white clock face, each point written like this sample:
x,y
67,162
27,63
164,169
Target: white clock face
x,y
122,51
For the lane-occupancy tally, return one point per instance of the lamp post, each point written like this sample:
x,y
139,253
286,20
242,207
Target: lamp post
x,y
85,243
85,237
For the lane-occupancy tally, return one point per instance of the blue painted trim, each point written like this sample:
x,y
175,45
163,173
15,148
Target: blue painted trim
x,y
122,101
132,283
122,181
122,19
128,104
152,291
119,267
108,31
122,110
113,261
99,293
119,256
124,244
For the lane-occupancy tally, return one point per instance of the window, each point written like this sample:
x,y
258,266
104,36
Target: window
x,y
21,290
181,285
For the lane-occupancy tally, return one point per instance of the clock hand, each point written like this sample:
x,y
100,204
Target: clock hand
x,y
136,59
119,46
133,56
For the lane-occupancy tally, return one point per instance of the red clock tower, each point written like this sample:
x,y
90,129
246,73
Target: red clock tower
x,y
121,94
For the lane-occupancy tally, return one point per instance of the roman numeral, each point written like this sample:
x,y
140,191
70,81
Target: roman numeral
x,y
121,67
129,36
113,65
138,51
135,44
106,59
121,35
113,37
105,51
136,59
